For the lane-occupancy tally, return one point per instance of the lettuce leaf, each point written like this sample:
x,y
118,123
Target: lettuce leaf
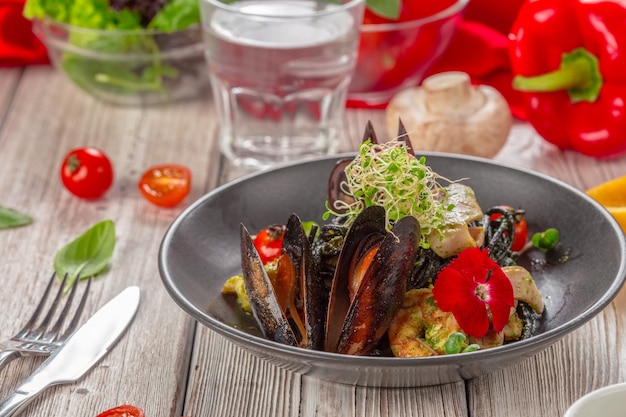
x,y
97,14
176,15
389,9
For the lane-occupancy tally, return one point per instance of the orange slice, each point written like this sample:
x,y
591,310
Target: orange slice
x,y
612,195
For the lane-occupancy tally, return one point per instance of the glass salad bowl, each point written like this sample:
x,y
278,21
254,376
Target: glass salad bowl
x,y
128,67
396,55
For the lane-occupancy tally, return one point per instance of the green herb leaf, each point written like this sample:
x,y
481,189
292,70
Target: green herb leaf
x,y
546,240
11,218
88,254
389,9
308,226
455,343
471,348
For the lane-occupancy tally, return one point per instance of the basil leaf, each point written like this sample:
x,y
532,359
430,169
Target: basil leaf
x,y
389,9
88,254
11,218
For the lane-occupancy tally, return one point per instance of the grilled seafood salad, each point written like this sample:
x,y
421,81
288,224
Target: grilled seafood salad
x,y
406,267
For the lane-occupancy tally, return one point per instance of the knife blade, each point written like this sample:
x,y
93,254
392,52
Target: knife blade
x,y
92,341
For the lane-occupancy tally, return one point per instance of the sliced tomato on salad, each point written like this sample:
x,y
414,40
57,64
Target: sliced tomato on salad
x,y
412,10
400,53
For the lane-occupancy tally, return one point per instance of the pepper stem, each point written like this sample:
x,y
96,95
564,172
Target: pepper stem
x,y
579,75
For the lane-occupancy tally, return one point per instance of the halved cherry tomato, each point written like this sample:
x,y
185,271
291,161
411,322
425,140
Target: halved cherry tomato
x,y
165,185
521,228
87,173
125,410
269,241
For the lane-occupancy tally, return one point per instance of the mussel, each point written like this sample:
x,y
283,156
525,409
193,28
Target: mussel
x,y
289,305
369,282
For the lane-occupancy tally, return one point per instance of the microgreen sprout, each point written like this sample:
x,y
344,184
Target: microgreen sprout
x,y
390,176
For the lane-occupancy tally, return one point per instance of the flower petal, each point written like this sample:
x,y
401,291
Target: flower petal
x,y
472,317
500,287
452,289
500,299
500,313
468,261
469,284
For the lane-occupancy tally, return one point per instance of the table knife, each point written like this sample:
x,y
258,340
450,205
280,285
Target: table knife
x,y
92,341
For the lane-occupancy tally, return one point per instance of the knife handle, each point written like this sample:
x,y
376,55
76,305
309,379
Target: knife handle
x,y
15,402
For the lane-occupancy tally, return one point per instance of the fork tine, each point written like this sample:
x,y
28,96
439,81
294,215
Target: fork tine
x,y
53,332
30,324
41,329
79,311
34,339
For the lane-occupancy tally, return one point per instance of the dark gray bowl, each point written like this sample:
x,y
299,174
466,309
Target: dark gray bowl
x,y
201,250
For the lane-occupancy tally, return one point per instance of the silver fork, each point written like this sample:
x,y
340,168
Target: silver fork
x,y
41,339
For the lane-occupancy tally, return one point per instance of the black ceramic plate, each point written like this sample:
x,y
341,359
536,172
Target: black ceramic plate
x,y
201,250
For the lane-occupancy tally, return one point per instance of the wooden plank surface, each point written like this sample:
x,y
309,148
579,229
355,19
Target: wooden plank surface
x,y
545,385
9,79
168,364
49,117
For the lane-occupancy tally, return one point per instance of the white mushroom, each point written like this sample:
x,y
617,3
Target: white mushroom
x,y
448,114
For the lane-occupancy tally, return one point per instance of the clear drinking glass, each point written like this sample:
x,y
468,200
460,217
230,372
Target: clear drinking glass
x,y
280,70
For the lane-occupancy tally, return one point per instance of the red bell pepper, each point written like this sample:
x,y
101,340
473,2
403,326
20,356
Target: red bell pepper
x,y
569,57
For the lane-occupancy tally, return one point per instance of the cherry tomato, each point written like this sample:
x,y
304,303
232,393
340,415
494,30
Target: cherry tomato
x,y
165,185
87,173
521,228
125,410
268,242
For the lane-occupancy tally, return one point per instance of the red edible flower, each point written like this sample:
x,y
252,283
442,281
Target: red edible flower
x,y
468,285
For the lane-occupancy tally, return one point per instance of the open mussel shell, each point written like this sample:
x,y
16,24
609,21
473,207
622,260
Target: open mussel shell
x,y
309,292
355,324
290,308
265,307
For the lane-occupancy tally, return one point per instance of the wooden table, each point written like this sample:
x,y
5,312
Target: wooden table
x,y
168,364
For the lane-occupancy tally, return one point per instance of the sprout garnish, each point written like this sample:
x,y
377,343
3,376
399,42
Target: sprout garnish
x,y
388,175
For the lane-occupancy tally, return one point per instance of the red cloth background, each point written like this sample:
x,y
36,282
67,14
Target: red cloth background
x,y
18,45
479,48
